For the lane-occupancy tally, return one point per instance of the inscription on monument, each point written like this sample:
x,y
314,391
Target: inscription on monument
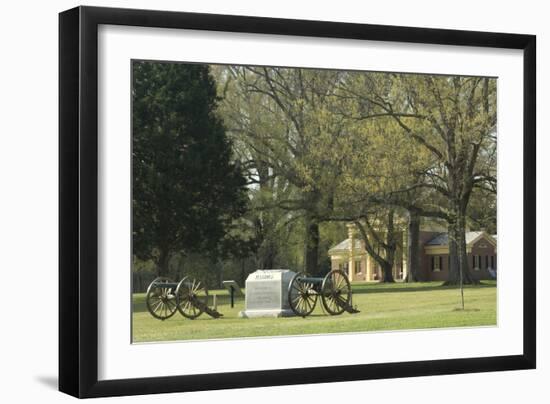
x,y
264,295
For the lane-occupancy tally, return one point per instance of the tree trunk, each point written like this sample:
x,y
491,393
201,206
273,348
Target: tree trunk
x,y
386,260
243,274
162,262
265,224
457,247
389,248
413,247
466,276
387,265
387,273
453,252
219,263
311,252
268,252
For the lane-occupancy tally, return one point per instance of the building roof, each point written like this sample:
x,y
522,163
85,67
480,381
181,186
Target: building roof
x,y
443,238
344,245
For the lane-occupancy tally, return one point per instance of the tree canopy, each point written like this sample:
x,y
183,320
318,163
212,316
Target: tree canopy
x,y
187,191
269,163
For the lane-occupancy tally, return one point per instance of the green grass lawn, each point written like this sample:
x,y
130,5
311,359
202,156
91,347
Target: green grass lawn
x,y
398,306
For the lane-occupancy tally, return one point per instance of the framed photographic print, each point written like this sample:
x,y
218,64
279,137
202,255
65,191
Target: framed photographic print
x,y
251,201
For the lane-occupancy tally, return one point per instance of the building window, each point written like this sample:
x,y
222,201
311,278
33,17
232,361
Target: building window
x,y
358,268
493,261
476,262
486,261
436,263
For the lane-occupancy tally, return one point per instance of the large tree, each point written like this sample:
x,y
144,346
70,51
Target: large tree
x,y
186,189
454,119
283,119
379,164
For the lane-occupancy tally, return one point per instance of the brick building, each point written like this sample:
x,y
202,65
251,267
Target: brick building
x,y
351,256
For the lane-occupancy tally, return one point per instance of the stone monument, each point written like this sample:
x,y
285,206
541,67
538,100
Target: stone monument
x,y
267,293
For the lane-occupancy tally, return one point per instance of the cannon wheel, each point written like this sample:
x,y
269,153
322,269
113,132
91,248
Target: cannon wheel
x,y
302,298
336,292
192,298
161,301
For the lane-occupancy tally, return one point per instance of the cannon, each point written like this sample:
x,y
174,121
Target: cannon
x,y
334,290
188,296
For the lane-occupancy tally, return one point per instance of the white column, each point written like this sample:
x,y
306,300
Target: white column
x,y
351,264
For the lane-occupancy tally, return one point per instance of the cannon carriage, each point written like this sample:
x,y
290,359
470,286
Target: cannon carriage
x,y
190,297
334,290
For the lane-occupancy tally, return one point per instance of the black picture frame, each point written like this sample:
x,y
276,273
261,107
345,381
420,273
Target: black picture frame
x,y
78,200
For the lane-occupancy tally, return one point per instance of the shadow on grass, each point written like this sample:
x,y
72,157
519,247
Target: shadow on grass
x,y
139,306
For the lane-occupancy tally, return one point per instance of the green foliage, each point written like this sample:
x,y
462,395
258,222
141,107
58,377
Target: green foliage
x,y
447,127
482,211
186,189
317,149
282,125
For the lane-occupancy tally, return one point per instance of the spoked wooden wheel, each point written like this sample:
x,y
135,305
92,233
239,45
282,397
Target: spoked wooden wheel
x,y
161,298
302,297
192,298
336,292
